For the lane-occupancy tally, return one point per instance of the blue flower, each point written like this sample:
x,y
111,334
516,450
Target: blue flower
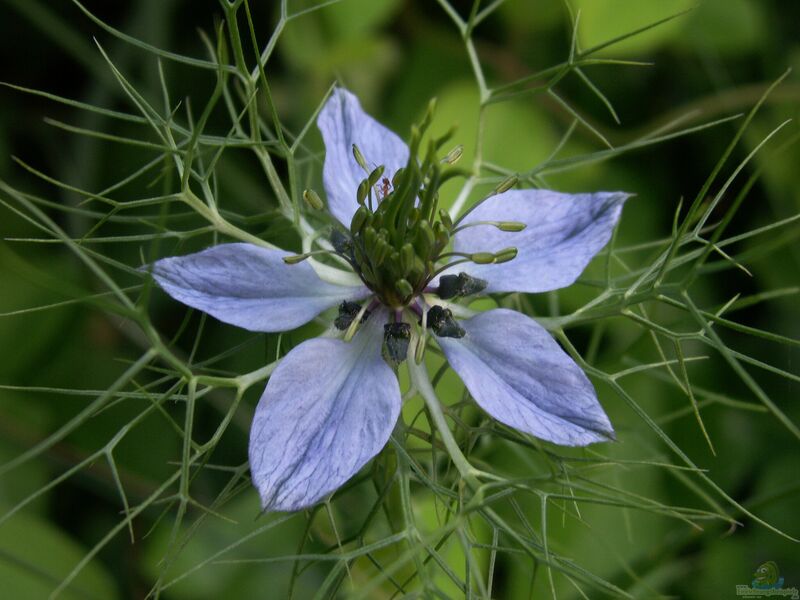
x,y
331,405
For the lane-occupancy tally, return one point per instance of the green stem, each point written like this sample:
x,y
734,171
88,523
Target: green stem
x,y
420,379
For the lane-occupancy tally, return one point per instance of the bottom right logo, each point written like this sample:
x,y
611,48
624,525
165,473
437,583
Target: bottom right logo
x,y
767,581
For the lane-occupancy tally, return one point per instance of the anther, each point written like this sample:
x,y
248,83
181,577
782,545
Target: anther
x,y
482,258
359,158
505,255
455,286
360,317
296,258
507,183
396,339
509,226
313,200
453,156
513,226
443,324
348,311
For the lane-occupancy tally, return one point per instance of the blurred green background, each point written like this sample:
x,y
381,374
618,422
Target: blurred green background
x,y
712,62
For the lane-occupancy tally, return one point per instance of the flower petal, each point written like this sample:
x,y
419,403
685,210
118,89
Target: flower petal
x,y
250,287
563,233
329,407
343,123
519,375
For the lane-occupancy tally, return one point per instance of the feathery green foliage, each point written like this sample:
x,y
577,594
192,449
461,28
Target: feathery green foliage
x,y
681,331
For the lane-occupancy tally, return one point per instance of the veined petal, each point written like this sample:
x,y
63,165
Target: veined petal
x,y
250,287
343,123
329,407
563,232
519,375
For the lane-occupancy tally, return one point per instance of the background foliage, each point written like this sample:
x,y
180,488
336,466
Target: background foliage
x,y
692,345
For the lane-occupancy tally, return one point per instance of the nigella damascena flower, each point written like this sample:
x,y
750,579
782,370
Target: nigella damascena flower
x,y
332,402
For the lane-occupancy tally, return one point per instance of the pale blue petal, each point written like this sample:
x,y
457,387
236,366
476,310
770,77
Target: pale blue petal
x,y
520,376
329,407
250,287
343,123
563,233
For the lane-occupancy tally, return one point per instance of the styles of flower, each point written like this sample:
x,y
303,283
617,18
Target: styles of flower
x,y
332,402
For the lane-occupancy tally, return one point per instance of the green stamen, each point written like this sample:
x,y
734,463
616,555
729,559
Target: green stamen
x,y
398,235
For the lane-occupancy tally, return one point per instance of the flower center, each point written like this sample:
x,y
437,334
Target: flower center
x,y
397,243
398,235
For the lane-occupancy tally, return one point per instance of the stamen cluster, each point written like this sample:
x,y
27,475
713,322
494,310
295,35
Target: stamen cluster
x,y
398,235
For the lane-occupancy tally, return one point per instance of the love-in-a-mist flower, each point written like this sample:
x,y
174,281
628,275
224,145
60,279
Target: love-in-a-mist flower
x,y
332,402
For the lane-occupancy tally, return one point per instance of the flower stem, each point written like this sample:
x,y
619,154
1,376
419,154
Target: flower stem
x,y
420,379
